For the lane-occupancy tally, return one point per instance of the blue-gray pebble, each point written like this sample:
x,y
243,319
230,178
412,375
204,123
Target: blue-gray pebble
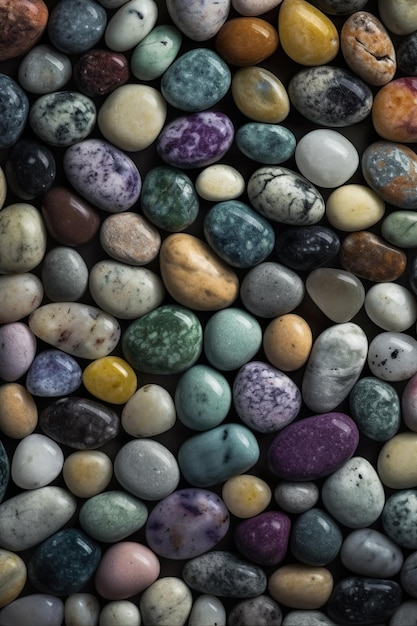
x,y
375,407
14,111
368,552
408,575
316,538
30,169
52,374
76,26
64,274
266,143
262,611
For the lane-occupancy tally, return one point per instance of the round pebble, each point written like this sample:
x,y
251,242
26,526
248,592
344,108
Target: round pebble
x,y
99,72
287,342
260,95
246,41
273,527
306,248
393,356
219,182
87,472
76,27
130,24
316,538
207,609
64,275
36,462
296,497
391,306
354,207
246,495
129,238
368,552
149,412
75,223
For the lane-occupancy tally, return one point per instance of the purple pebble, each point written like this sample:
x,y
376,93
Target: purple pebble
x,y
264,538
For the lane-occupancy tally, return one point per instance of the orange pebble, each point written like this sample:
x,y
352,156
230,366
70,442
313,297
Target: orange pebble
x,y
287,342
246,41
394,112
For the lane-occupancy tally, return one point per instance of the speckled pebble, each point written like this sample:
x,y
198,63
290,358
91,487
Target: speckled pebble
x,y
306,248
30,169
262,611
99,72
44,70
52,374
270,144
129,238
119,613
149,412
76,26
22,238
393,356
375,407
14,107
296,497
263,539
167,601
64,275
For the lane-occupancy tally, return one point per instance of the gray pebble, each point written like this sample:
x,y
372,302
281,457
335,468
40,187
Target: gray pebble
x,y
262,611
405,614
370,553
44,70
296,497
307,618
409,575
271,289
64,275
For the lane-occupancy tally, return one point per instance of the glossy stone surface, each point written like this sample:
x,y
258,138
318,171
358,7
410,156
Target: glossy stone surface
x,y
197,20
246,495
24,295
22,238
155,53
393,464
82,609
18,411
246,41
340,295
270,144
400,229
68,217
207,609
130,24
368,256
64,274
99,72
17,350
44,69
293,455
36,462
110,379
112,516
87,472
316,538
36,607
149,412
301,586
263,539
375,407
393,110
4,471
287,342
354,207
119,612
400,18
22,24
14,109
391,306
129,238
263,610
168,599
217,454
12,577
30,169
79,423
75,26
296,497
368,552
220,182
393,356
260,95
364,600
52,374
306,248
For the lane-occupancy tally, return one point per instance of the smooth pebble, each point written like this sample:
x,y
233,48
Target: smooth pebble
x,y
44,70
87,472
22,26
208,610
296,497
393,356
354,207
340,295
368,552
22,238
17,350
81,609
306,248
260,95
394,463
356,599
130,24
129,238
75,27
301,586
316,538
64,274
12,577
167,601
287,342
246,41
270,144
30,169
219,182
34,608
14,105
52,374
99,72
376,409
155,53
263,539
120,613
18,411
391,306
197,20
150,411
399,229
400,18
263,611
69,218
246,495
37,461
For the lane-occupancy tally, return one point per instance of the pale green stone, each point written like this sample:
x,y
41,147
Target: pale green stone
x,y
400,229
156,52
112,516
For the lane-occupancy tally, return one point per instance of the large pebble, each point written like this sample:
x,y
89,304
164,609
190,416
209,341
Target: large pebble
x,y
301,586
155,53
30,169
338,294
44,70
197,20
22,24
112,516
400,18
375,407
270,144
395,465
368,552
18,411
246,41
354,494
207,609
393,104
294,456
400,229
399,518
306,248
75,27
316,538
368,256
13,574
149,412
130,24
17,350
262,610
14,106
129,238
68,217
359,600
167,600
391,306
40,608
393,356
263,539
52,374
36,462
22,238
260,95
64,274
99,72
354,207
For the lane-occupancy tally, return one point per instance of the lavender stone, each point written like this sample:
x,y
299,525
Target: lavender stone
x,y
53,373
265,398
263,539
187,523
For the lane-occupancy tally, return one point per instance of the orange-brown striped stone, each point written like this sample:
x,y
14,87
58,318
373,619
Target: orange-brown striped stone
x,y
394,112
301,586
368,256
246,41
22,23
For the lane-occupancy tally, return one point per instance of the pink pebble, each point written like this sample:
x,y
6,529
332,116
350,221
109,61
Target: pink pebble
x,y
17,350
127,568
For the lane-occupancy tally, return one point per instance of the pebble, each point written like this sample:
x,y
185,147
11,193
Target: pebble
x,y
34,608
30,169
22,238
409,404
271,289
217,454
301,586
338,160
265,398
306,248
340,7
283,195
167,601
316,539
119,613
75,27
354,207
146,469
399,229
110,379
22,26
407,55
368,256
395,465
132,132
390,169
254,7
412,274
340,295
260,95
197,20
79,423
149,412
287,342
112,516
194,275
126,569
330,96
29,517
64,274
69,218
99,72
270,144
408,574
246,495
17,350
37,461
208,610
406,613
124,291
103,175
262,610
263,539
130,24
87,472
129,238
306,34
219,182
246,41
358,600
4,471
335,363
64,563
169,199
52,374
14,105
196,81
155,53
195,140
393,110
167,340
391,306
44,70
187,523
203,397
393,356
296,497
307,618
375,407
12,578
368,552
354,494
18,411
3,187
224,574
400,18
232,337
368,49
81,609
294,456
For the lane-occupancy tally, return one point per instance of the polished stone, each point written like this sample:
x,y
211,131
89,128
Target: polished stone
x,y
155,53
306,248
119,613
263,611
17,350
296,497
260,95
112,516
14,108
81,609
393,356
22,238
364,600
287,342
37,461
394,464
110,379
207,609
393,111
340,295
220,182
375,407
130,24
149,412
44,69
30,169
13,575
18,411
197,20
99,72
391,306
22,25
52,374
129,238
368,552
408,574
368,256
263,539
75,26
87,472
301,586
316,538
64,274
246,495
68,217
20,294
34,608
246,41
167,600
400,229
354,207
270,144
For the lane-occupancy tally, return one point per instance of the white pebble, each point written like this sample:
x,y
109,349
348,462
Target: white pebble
x,y
391,306
120,613
207,611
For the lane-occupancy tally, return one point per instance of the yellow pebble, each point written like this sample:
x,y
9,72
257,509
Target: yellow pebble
x,y
260,95
301,586
246,495
287,342
18,411
354,207
397,466
87,472
306,34
13,574
111,379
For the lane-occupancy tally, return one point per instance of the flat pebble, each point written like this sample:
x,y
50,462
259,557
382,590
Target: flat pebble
x,y
399,229
246,495
354,207
271,289
30,169
391,306
400,18
316,538
260,95
207,609
120,613
81,609
22,238
22,26
155,53
36,607
393,356
262,610
75,27
87,472
306,248
18,411
130,24
17,350
368,256
219,182
296,497
394,467
263,539
149,412
99,72
69,218
356,599
246,41
167,600
44,70
197,20
368,552
52,374
36,462
287,342
12,578
129,238
14,105
64,274
301,586
375,407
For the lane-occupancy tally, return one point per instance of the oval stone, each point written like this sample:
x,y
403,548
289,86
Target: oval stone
x,y
103,175
112,516
395,461
260,95
400,229
306,248
69,219
76,27
364,600
129,238
375,407
220,182
294,455
110,379
409,404
31,516
87,472
283,195
64,274
168,599
12,577
14,106
30,169
197,20
296,497
207,609
52,374
399,518
155,53
36,462
263,539
36,607
338,294
246,41
301,586
391,306
330,96
336,361
149,412
368,552
246,495
79,423
44,69
354,207
99,72
17,350
271,144
18,411
22,238
316,538
217,454
22,24
394,103
224,574
368,256
130,24
407,54
393,356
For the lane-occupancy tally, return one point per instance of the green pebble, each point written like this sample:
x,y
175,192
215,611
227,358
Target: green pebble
x,y
375,407
168,340
156,52
270,144
316,538
399,518
400,229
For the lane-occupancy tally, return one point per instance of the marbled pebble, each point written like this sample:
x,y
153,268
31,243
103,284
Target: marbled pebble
x,y
393,111
155,53
14,105
369,256
368,552
270,144
75,27
129,238
22,26
375,407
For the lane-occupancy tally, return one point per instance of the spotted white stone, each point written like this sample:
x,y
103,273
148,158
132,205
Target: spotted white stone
x,y
130,24
393,356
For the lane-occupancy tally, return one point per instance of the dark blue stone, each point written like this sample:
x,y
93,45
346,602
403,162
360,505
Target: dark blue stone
x,y
356,600
316,538
407,54
53,373
14,111
76,26
4,471
30,169
64,562
306,247
238,234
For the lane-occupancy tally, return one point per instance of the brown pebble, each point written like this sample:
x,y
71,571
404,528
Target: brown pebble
x,y
99,72
368,256
301,586
287,342
69,218
22,23
18,411
130,238
246,41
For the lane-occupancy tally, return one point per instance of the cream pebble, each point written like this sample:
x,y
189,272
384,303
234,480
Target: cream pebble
x,y
87,472
120,613
246,495
167,601
391,306
301,586
3,187
18,411
81,609
13,574
130,24
396,464
149,412
220,182
22,238
20,295
354,207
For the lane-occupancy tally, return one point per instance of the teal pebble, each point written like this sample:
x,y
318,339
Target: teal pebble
x,y
270,144
112,516
238,234
375,407
169,199
156,52
316,538
202,398
399,518
196,81
217,454
400,229
168,340
4,471
232,337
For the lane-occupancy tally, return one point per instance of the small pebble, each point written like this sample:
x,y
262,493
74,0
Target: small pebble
x,y
21,26
368,256
64,274
130,24
368,552
246,495
167,601
354,207
207,610
30,169
246,41
149,412
375,407
197,20
263,539
316,538
75,27
301,586
340,295
12,577
87,472
18,411
219,182
155,53
81,609
393,356
120,613
44,70
36,462
359,600
99,72
296,497
306,248
129,238
17,350
52,374
14,105
22,238
34,608
399,229
68,218
263,611
260,95
287,342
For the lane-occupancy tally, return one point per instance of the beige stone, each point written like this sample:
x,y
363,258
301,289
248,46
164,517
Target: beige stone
x,y
18,411
301,586
397,461
13,576
354,207
287,342
246,495
3,187
87,472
